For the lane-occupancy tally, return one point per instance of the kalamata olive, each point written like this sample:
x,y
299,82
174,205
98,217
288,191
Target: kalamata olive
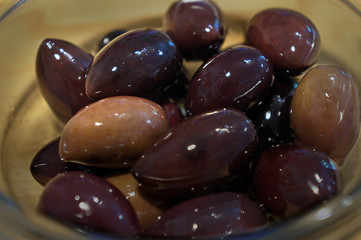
x,y
112,132
199,155
288,38
326,111
172,113
218,214
108,37
271,116
290,178
139,63
178,89
148,207
236,78
197,27
61,69
89,202
47,163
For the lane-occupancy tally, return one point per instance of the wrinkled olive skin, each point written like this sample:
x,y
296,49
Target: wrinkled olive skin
x,y
89,202
112,132
288,38
237,78
199,155
47,163
138,63
290,178
61,70
213,215
148,207
326,111
197,27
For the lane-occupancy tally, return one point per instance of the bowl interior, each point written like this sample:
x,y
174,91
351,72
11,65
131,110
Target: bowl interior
x,y
27,123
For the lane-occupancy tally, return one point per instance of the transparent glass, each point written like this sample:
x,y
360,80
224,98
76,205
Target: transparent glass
x,y
26,122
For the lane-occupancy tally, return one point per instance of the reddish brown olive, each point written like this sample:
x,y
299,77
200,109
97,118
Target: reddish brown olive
x,y
326,111
112,132
288,38
147,207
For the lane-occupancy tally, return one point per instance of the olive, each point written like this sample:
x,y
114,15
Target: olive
x,y
47,164
109,37
326,111
291,178
148,207
237,78
89,202
61,69
112,132
198,155
288,38
197,27
213,215
271,115
138,63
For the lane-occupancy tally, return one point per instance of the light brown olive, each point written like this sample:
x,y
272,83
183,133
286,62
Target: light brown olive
x,y
326,111
112,132
146,206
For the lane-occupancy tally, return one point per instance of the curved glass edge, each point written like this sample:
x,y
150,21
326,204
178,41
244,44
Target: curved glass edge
x,y
290,229
11,9
354,5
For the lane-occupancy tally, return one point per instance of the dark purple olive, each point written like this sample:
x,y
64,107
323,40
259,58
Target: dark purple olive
x,y
288,38
199,155
197,27
173,114
213,215
291,178
178,89
89,202
108,37
236,78
139,63
271,116
47,164
61,69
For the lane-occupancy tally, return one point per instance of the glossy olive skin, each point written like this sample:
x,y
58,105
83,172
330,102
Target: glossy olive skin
x,y
173,113
61,70
109,37
288,38
236,78
47,164
138,63
271,116
199,155
112,132
291,178
148,207
326,111
89,202
197,27
213,215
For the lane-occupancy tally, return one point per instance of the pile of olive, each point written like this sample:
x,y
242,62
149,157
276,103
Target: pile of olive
x,y
145,151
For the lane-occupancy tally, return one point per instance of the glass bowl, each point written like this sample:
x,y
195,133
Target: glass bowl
x,y
27,123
